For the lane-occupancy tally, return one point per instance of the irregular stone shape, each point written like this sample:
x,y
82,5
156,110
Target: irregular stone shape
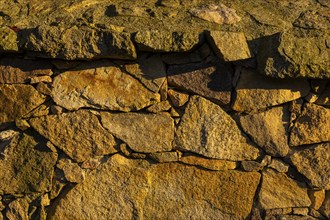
x,y
210,81
72,171
18,209
149,70
314,19
255,92
178,98
324,98
159,107
126,189
279,165
206,129
14,70
325,209
101,86
39,79
79,134
251,166
146,133
314,164
8,40
166,41
229,46
17,101
269,130
220,14
164,157
25,168
287,193
286,55
79,43
312,126
8,134
317,197
210,164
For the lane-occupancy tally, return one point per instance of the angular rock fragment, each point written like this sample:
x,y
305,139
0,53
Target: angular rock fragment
x,y
220,14
207,130
159,107
14,70
166,41
79,134
312,126
149,70
146,133
269,130
124,188
25,168
18,209
279,191
79,43
229,46
103,86
279,165
72,171
317,197
251,166
255,92
211,164
164,157
211,81
18,100
178,98
325,209
8,40
286,55
314,164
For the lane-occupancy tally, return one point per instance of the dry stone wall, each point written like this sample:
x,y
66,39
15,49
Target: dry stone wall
x,y
164,109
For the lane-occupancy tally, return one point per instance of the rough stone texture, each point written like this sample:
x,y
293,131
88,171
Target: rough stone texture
x,y
177,98
166,41
102,87
314,164
325,209
14,70
254,91
72,171
317,197
124,188
286,55
269,130
287,193
151,76
24,167
312,126
210,81
251,166
18,100
210,164
8,40
164,157
159,107
220,14
324,98
79,134
229,46
279,165
18,209
79,42
147,133
207,130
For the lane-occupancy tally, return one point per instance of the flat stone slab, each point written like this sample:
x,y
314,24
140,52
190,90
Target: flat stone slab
x,y
123,188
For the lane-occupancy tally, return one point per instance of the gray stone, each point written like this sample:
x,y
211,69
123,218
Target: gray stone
x,y
146,133
314,164
207,130
286,55
312,126
255,92
210,81
103,86
269,130
79,134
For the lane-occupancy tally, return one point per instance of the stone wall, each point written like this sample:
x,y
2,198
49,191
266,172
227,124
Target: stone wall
x,y
164,110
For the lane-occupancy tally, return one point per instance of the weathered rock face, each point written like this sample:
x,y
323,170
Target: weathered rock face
x,y
125,188
213,82
269,130
145,133
79,43
286,55
102,88
287,193
25,168
79,134
314,164
207,130
211,164
254,91
312,126
12,96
